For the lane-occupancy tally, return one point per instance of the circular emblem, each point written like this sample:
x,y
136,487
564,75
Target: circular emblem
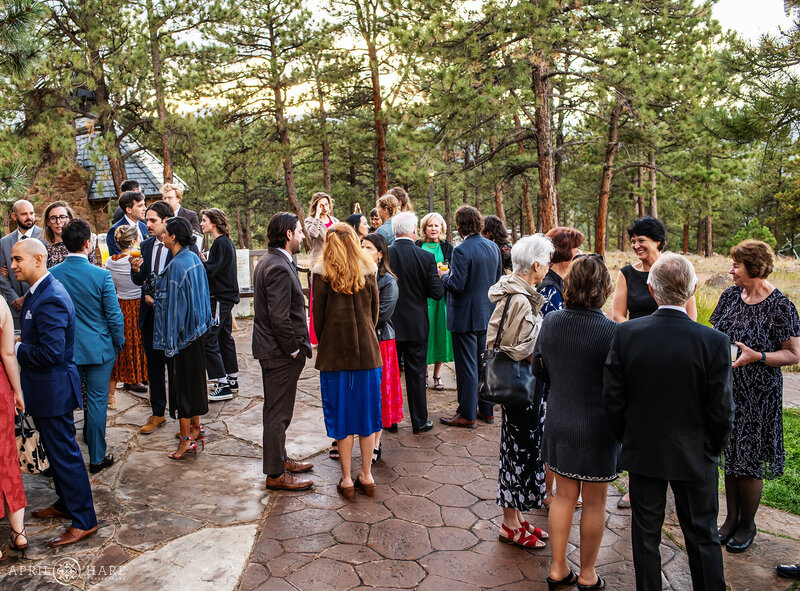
x,y
66,570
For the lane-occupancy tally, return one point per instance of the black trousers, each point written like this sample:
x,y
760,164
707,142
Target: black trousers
x,y
279,380
697,506
415,354
467,350
220,350
156,370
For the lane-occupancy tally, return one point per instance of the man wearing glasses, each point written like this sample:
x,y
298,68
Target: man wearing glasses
x,y
14,291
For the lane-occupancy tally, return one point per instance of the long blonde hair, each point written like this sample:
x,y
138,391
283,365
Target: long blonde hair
x,y
344,264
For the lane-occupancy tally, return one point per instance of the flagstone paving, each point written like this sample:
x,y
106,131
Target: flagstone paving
x,y
207,523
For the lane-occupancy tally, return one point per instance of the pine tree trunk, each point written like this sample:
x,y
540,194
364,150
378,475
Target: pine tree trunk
x,y
247,237
653,196
326,147
158,83
448,205
605,183
639,184
709,244
700,236
526,191
546,201
707,224
239,227
685,248
286,158
383,169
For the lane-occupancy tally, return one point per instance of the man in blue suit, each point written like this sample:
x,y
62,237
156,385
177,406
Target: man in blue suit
x,y
132,203
475,266
52,388
99,331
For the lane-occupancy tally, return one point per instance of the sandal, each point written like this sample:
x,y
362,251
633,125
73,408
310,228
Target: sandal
x,y
348,492
536,531
519,537
437,383
15,536
174,455
334,451
376,454
567,581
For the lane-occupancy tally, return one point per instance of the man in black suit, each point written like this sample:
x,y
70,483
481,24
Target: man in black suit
x,y
668,397
127,185
173,195
417,279
155,256
281,345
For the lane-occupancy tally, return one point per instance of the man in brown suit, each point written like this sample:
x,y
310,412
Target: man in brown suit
x,y
281,345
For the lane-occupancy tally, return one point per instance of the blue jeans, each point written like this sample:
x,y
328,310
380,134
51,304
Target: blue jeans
x,y
96,378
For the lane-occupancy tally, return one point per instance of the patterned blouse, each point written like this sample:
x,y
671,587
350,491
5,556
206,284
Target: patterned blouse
x,y
57,252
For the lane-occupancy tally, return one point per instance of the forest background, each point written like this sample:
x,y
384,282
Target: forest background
x,y
586,113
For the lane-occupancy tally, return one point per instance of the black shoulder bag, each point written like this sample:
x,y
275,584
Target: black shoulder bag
x,y
501,379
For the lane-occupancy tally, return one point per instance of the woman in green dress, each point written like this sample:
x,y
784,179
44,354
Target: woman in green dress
x,y
440,344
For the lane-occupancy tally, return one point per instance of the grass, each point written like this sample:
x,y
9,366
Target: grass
x,y
784,493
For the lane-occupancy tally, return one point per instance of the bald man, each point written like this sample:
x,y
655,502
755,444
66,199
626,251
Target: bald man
x,y
14,291
51,387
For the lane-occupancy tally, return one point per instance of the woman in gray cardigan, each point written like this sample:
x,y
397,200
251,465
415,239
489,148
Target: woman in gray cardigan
x,y
578,444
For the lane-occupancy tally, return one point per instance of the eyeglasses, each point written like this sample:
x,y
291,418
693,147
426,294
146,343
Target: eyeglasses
x,y
57,218
589,254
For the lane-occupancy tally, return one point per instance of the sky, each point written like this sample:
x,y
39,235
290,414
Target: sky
x,y
752,18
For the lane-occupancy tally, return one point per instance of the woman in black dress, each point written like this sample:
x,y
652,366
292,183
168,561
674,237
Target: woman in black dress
x,y
764,325
632,297
578,444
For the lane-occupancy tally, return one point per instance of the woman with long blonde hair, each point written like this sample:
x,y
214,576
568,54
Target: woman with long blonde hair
x,y
346,306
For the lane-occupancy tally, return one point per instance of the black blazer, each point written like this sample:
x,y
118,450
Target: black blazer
x,y
279,327
418,280
668,396
447,248
146,248
191,217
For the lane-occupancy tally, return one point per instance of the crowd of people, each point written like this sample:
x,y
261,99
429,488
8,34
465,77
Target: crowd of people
x,y
644,388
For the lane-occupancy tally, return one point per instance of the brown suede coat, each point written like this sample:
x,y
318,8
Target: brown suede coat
x,y
345,325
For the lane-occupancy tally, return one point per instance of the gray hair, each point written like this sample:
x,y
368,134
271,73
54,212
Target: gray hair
x,y
404,223
531,249
673,279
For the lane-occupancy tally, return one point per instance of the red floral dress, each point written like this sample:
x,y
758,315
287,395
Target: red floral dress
x,y
10,477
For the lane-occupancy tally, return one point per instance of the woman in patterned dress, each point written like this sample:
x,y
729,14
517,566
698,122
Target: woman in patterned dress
x,y
763,323
12,492
56,216
130,367
320,219
520,485
433,230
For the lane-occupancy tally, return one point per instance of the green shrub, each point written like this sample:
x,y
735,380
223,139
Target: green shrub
x,y
754,230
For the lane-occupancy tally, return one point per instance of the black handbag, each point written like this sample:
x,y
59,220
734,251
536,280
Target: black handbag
x,y
503,380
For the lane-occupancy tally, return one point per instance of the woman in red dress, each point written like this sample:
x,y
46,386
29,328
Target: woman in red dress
x,y
391,390
12,492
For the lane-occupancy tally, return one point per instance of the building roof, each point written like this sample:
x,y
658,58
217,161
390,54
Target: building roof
x,y
142,165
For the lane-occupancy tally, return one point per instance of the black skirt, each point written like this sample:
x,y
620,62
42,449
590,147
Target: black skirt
x,y
187,380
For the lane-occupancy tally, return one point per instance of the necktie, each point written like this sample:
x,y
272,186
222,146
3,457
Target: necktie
x,y
158,258
23,237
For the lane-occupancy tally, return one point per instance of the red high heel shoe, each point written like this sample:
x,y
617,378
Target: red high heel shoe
x,y
174,455
200,437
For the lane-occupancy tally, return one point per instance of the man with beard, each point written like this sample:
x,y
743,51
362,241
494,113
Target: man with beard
x,y
14,290
281,344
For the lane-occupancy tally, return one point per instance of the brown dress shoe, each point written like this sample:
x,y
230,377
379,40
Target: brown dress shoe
x,y
49,512
295,466
488,419
72,535
458,421
141,388
287,481
152,424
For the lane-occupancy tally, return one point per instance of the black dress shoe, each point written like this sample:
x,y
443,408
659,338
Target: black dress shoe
x,y
724,538
735,547
102,464
789,571
392,428
426,427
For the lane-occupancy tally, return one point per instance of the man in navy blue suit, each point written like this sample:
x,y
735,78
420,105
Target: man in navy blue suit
x,y
132,203
475,266
51,387
100,331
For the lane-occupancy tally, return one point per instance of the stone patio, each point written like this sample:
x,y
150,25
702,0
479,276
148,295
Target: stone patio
x,y
207,523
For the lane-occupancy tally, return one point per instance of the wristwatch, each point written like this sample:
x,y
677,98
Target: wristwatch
x,y
763,357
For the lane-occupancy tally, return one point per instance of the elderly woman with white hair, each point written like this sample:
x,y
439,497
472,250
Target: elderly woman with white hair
x,y
520,485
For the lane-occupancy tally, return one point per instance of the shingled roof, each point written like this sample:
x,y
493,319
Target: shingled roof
x,y
142,165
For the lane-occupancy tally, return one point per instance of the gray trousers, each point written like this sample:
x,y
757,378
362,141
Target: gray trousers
x,y
279,379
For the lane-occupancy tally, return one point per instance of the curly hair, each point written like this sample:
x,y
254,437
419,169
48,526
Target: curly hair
x,y
756,256
217,217
565,240
587,284
343,260
650,227
468,220
495,230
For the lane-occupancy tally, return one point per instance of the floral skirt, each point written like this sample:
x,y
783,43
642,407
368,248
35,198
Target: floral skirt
x,y
131,365
391,388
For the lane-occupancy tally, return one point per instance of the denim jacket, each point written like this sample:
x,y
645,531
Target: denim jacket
x,y
182,304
